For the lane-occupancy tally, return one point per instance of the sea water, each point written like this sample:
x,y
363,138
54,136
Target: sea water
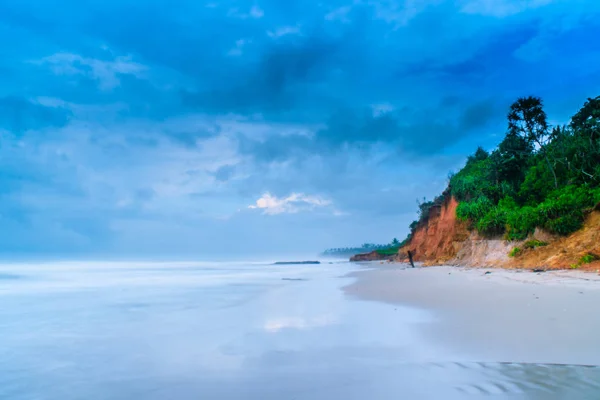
x,y
218,330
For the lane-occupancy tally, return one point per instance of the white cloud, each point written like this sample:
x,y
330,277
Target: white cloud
x,y
400,13
294,203
238,49
255,12
105,72
339,14
283,31
501,8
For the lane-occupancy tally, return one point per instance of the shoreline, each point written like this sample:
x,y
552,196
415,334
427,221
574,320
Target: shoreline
x,y
491,314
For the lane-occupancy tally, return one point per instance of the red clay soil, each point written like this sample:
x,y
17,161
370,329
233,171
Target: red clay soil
x,y
372,256
566,252
439,240
445,240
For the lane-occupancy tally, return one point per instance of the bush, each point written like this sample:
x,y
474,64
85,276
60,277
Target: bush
x,y
493,222
589,258
537,185
532,244
475,210
563,211
521,222
515,252
566,224
586,259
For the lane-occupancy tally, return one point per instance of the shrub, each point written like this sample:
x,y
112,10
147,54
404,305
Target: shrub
x,y
515,252
562,211
534,243
521,222
475,210
589,258
493,222
390,251
586,259
566,224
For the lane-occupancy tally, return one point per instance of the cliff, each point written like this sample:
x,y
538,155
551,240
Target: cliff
x,y
372,256
439,239
443,239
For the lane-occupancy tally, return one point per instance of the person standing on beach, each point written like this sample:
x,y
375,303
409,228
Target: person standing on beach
x,y
410,258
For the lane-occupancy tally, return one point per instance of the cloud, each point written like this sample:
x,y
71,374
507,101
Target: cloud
x,y
478,115
19,115
106,73
339,14
255,12
238,49
283,31
294,203
149,125
501,8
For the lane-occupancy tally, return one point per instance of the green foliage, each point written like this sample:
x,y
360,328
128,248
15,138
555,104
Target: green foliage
x,y
534,243
521,222
563,211
537,184
474,210
516,251
586,259
493,222
538,176
589,258
390,251
365,248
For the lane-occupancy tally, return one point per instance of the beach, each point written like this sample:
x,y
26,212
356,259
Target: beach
x,y
495,314
240,330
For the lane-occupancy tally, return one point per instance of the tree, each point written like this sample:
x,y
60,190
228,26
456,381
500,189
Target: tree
x,y
480,155
510,161
395,243
586,140
527,119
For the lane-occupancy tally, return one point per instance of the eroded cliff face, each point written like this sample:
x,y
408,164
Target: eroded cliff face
x,y
372,256
564,252
445,240
440,239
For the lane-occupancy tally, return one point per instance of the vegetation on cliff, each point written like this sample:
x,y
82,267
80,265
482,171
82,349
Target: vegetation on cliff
x,y
538,176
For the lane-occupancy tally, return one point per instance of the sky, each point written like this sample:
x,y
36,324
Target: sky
x,y
202,129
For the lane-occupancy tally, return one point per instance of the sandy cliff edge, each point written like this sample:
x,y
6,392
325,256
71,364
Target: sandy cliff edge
x,y
443,239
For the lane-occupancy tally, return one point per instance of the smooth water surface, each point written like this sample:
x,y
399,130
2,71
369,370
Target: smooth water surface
x,y
234,331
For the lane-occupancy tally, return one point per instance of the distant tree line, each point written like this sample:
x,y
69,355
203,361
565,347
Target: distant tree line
x,y
365,248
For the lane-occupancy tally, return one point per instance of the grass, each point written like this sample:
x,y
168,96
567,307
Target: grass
x,y
515,252
390,251
534,243
586,259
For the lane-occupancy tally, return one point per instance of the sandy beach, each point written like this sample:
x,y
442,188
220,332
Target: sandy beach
x,y
496,315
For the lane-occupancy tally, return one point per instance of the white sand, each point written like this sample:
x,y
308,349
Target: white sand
x,y
510,316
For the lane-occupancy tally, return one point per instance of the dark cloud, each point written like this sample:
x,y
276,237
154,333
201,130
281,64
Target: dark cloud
x,y
401,94
409,132
285,80
19,115
496,52
224,173
478,115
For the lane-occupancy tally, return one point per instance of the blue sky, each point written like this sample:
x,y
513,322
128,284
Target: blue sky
x,y
194,129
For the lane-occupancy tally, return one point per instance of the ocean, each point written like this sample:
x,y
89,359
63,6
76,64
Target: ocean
x,y
238,330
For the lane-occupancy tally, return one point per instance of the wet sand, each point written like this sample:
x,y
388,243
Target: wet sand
x,y
496,315
161,331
